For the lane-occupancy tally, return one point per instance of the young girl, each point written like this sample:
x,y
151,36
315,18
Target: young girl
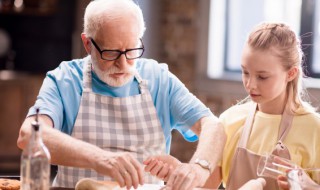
x,y
274,119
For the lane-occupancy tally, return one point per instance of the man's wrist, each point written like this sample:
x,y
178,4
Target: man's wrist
x,y
205,164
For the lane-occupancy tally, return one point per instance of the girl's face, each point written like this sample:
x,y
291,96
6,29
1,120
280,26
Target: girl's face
x,y
264,79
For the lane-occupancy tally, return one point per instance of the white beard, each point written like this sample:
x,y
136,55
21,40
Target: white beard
x,y
114,82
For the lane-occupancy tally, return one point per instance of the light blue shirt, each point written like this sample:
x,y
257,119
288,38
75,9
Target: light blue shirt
x,y
177,108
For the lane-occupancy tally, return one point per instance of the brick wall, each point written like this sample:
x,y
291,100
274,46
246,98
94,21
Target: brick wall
x,y
179,33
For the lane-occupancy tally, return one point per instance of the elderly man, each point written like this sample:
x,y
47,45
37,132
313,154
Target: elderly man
x,y
108,112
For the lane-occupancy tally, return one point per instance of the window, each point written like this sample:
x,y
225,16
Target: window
x,y
316,42
231,21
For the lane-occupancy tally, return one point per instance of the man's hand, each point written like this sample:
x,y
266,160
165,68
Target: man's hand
x,y
68,151
187,177
122,167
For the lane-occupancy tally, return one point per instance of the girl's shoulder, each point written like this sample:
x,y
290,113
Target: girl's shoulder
x,y
309,112
236,113
307,117
310,117
238,109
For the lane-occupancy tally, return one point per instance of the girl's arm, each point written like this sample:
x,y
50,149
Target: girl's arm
x,y
161,166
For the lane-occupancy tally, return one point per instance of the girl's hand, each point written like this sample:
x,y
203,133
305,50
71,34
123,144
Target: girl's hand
x,y
256,184
283,182
299,177
161,166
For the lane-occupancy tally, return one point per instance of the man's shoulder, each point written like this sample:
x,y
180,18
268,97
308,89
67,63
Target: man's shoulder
x,y
151,68
150,64
72,68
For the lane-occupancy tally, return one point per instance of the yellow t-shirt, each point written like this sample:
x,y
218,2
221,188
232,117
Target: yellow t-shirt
x,y
303,139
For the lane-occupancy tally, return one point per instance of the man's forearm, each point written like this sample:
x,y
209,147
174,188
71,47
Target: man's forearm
x,y
64,150
69,151
212,140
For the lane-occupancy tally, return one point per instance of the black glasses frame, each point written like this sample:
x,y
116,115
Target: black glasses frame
x,y
119,51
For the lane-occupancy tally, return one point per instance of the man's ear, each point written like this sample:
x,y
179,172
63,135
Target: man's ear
x,y
292,73
86,43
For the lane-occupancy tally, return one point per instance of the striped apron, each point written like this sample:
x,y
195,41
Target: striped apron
x,y
115,124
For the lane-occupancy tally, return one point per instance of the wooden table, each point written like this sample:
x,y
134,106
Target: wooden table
x,y
64,188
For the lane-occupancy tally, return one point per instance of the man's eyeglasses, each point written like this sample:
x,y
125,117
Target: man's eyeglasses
x,y
112,55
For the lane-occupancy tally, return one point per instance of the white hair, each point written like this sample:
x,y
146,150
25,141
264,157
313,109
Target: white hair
x,y
100,11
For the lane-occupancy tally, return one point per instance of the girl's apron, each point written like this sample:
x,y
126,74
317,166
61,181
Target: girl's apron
x,y
245,162
116,124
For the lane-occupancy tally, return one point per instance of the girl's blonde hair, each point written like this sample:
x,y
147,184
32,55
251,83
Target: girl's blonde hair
x,y
281,40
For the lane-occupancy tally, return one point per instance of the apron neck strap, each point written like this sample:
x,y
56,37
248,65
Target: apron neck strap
x,y
285,125
143,84
247,126
87,77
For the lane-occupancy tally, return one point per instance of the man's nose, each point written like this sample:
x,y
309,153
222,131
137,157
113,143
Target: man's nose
x,y
121,62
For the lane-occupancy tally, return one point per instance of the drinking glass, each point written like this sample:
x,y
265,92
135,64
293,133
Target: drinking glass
x,y
272,166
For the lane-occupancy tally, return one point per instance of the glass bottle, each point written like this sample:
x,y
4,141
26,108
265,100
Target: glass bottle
x,y
35,161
